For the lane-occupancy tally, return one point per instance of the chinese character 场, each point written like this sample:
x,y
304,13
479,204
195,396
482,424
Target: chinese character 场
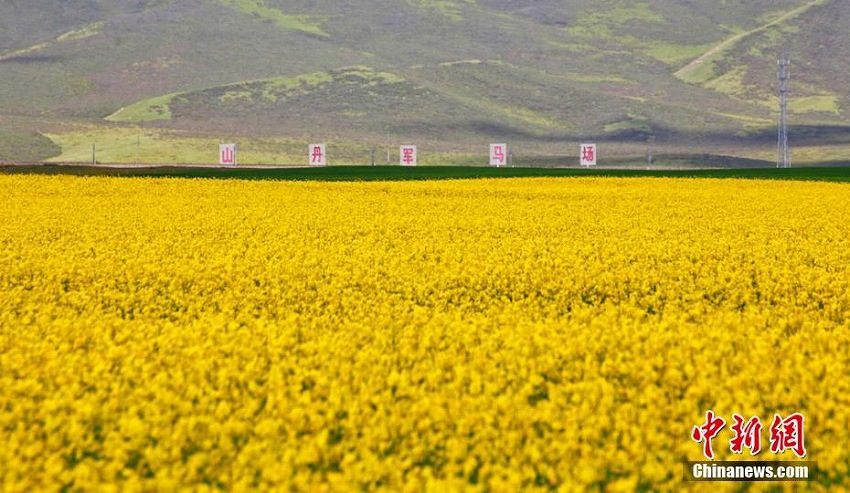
x,y
588,154
787,434
705,433
747,434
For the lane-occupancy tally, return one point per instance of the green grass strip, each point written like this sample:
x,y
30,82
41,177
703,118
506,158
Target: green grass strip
x,y
398,173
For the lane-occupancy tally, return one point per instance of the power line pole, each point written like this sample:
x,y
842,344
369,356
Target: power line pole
x,y
784,160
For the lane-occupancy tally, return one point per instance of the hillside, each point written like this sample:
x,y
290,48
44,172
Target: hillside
x,y
451,75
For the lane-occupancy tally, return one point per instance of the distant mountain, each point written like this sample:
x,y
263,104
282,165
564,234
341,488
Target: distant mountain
x,y
681,75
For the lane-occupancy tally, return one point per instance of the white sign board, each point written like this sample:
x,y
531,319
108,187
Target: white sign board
x,y
588,155
498,154
318,156
407,155
227,154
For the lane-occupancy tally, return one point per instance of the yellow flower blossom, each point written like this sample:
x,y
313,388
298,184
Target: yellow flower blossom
x,y
485,335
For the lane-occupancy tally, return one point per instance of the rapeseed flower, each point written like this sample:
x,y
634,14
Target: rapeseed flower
x,y
486,335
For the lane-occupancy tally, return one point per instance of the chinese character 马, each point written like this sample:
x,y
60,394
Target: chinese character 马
x,y
498,154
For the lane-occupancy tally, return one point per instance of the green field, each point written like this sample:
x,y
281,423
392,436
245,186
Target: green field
x,y
394,173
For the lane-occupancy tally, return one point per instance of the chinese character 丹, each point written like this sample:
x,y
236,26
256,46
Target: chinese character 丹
x,y
317,154
747,434
787,434
705,433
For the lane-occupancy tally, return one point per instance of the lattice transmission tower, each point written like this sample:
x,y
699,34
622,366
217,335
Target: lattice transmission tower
x,y
784,160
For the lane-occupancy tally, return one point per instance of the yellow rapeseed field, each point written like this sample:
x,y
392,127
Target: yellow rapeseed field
x,y
489,335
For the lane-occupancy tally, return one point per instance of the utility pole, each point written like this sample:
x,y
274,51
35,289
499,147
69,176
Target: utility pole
x,y
784,159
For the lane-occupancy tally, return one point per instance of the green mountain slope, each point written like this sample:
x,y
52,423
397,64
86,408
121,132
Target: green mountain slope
x,y
680,76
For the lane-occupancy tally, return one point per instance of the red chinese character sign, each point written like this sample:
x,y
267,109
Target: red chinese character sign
x,y
588,155
318,156
786,434
498,154
407,155
227,154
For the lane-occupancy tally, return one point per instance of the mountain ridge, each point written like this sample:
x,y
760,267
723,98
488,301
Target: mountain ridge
x,y
454,72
